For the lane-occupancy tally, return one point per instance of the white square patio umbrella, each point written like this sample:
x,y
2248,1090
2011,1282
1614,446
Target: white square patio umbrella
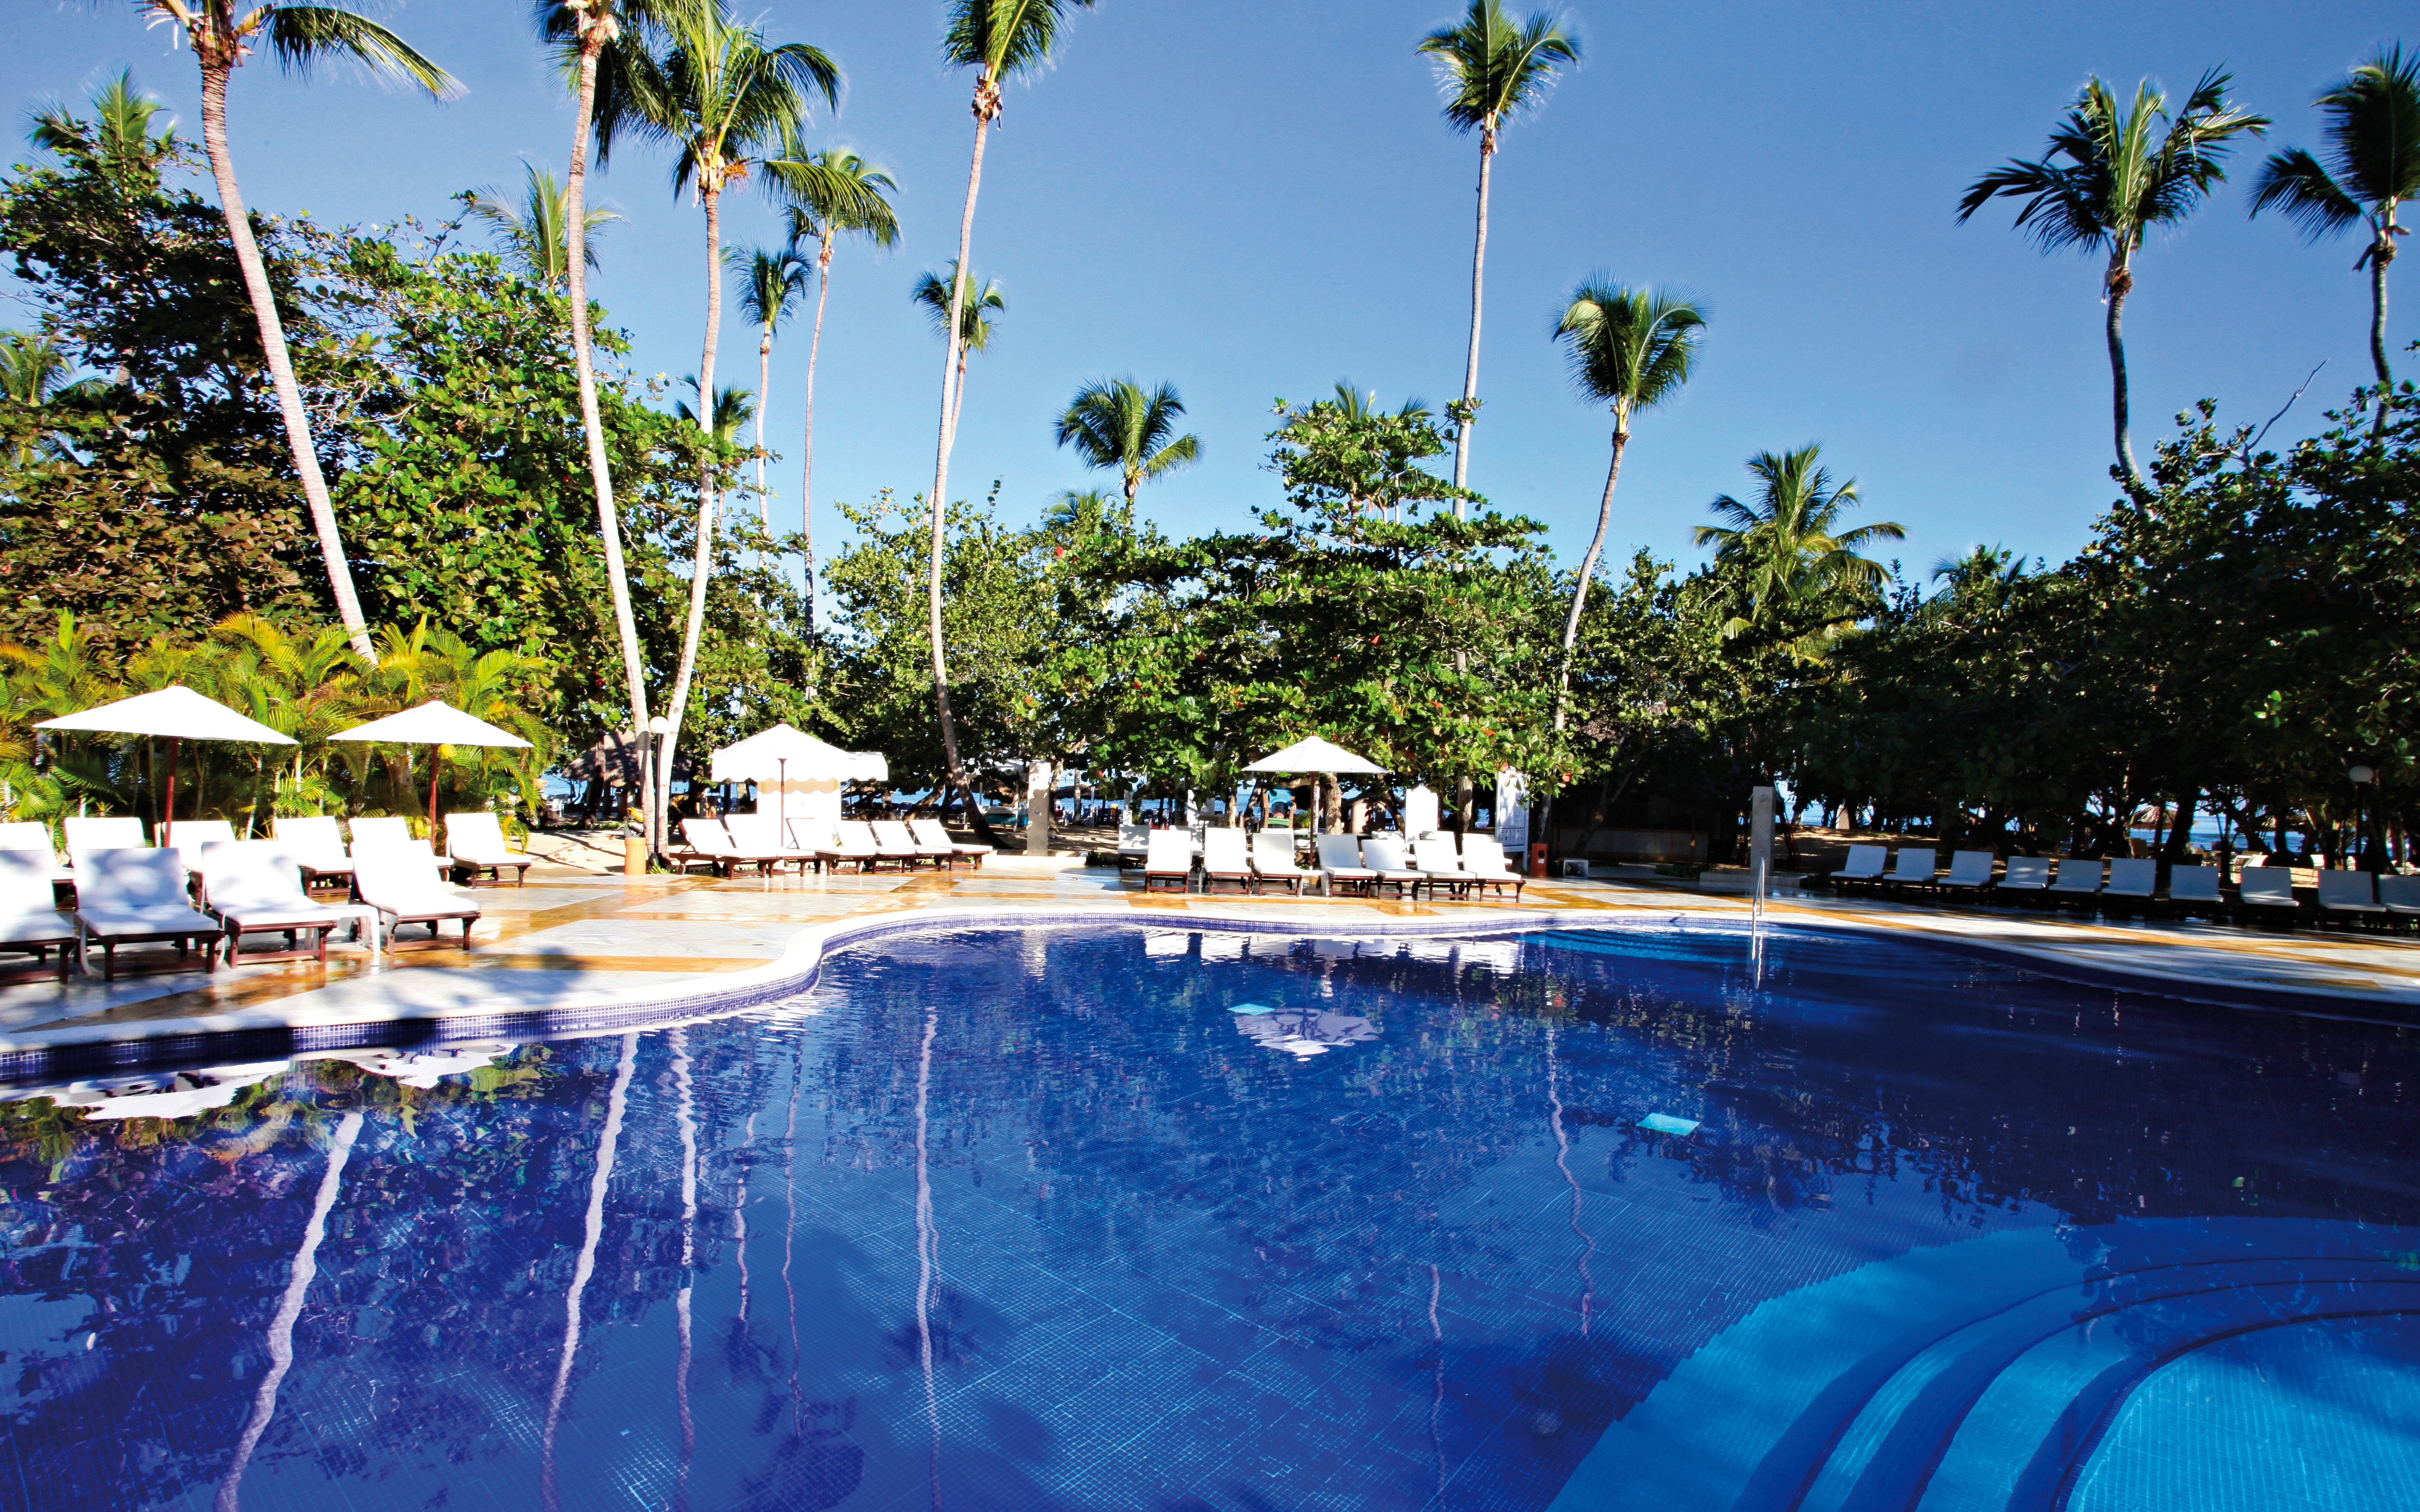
x,y
433,723
178,713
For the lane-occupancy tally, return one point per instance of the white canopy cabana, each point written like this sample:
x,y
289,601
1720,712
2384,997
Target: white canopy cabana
x,y
785,760
178,713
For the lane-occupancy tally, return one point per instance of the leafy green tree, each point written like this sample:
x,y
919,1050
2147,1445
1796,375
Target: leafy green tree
x,y
843,195
771,284
535,231
1800,581
729,100
998,38
160,498
2114,172
1629,349
2374,149
978,310
1491,70
1114,424
222,34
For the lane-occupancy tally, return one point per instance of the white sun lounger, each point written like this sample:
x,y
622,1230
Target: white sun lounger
x,y
2078,877
1489,868
2400,896
476,842
1914,866
2192,887
1225,859
1970,870
1384,854
127,896
393,831
105,832
188,835
760,838
27,919
1339,864
2266,890
317,843
934,836
867,846
853,842
255,888
895,838
2346,894
2132,879
1864,866
26,835
1273,858
400,881
1168,859
2025,873
1437,859
1134,843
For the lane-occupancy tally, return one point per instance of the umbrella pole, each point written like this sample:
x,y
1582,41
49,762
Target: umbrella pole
x,y
434,768
168,814
783,802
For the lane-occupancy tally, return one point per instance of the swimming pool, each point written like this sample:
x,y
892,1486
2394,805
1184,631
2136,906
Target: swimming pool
x,y
1108,1217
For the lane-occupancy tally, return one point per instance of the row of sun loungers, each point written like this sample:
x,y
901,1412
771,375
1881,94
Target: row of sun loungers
x,y
474,843
130,895
1346,863
2261,890
766,843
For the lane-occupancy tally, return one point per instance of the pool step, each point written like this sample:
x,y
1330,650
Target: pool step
x,y
1973,1377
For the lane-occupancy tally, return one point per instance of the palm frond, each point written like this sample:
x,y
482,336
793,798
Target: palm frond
x,y
1005,37
771,282
1490,69
932,291
1631,347
303,35
2293,182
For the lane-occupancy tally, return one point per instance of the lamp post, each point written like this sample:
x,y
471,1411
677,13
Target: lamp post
x,y
2366,856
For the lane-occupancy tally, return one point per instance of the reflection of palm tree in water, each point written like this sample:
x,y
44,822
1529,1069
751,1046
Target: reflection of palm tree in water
x,y
1563,1164
290,1307
928,1249
686,1115
586,1265
790,1225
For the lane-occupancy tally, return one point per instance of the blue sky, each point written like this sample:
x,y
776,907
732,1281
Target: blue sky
x,y
1253,198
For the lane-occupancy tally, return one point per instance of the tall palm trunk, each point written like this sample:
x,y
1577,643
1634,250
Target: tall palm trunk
x,y
1587,567
711,192
953,365
764,384
600,472
216,65
1478,290
807,467
2121,281
2382,251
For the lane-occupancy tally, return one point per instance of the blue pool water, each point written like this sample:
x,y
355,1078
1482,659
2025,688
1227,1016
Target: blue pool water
x,y
1109,1218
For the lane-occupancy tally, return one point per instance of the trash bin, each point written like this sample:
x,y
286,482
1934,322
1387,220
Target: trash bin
x,y
634,855
1538,860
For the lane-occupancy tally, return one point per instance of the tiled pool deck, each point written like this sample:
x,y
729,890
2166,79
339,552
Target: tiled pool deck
x,y
576,950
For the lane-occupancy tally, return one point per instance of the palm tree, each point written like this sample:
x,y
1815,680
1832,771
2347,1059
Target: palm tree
x,y
1798,571
591,43
997,38
734,407
2113,172
118,141
1491,70
939,294
772,284
2374,147
32,369
222,34
535,232
1631,350
730,102
844,197
1114,424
